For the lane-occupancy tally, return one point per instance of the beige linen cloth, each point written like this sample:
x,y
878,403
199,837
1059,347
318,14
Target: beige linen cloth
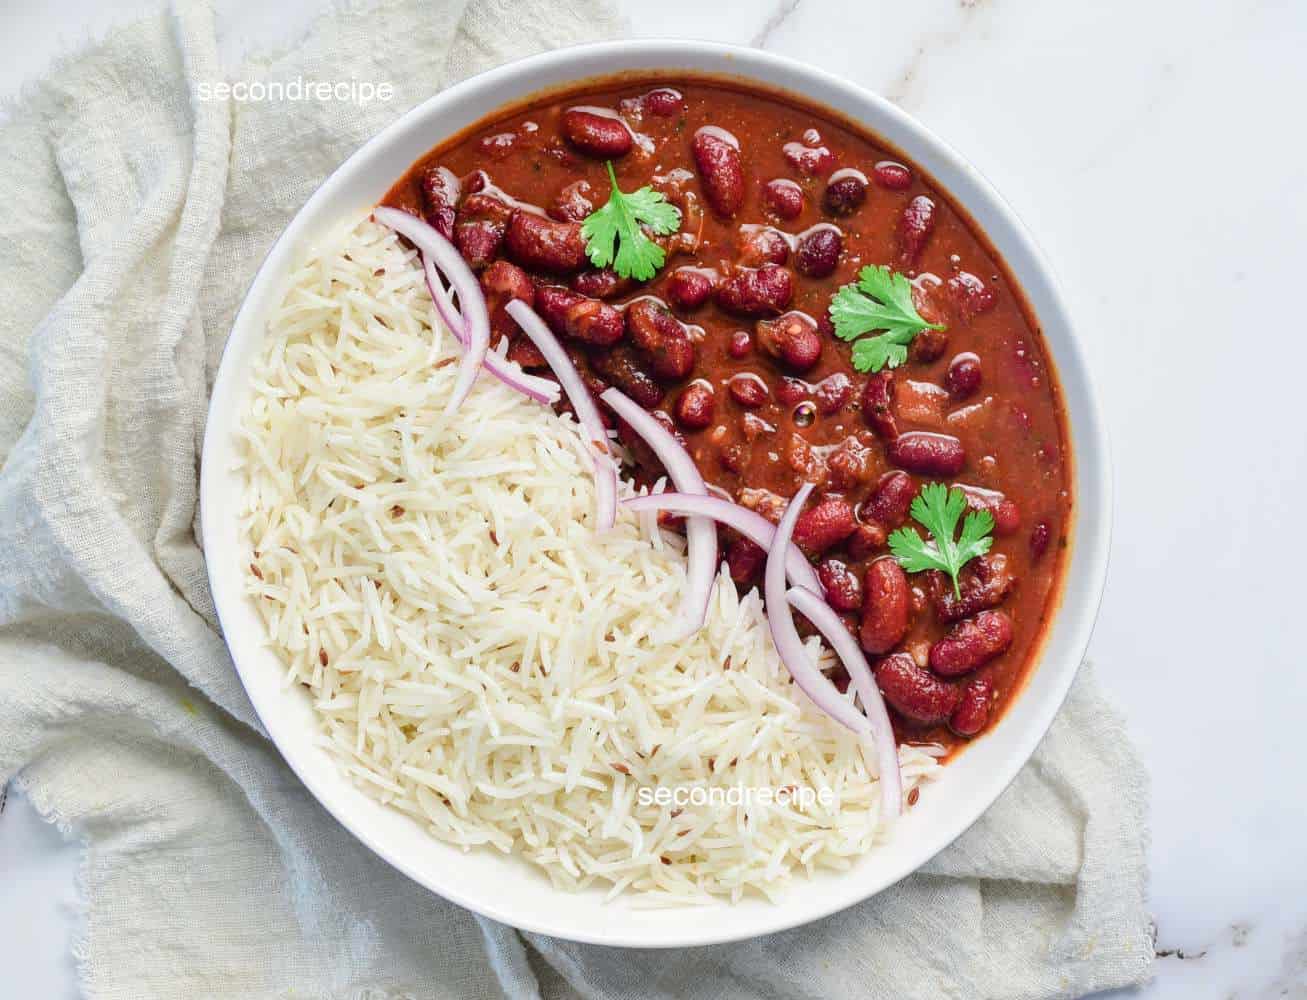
x,y
135,214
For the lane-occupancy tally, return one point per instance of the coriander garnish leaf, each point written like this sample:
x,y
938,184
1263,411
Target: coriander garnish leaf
x,y
614,234
937,509
880,299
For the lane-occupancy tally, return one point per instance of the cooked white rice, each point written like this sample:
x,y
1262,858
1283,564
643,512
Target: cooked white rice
x,y
481,659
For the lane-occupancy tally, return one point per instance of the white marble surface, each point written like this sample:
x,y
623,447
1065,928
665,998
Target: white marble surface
x,y
1157,151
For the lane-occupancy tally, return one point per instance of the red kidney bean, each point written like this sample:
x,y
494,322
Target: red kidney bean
x,y
600,283
753,292
503,282
868,538
717,158
793,338
815,161
791,391
440,194
885,606
540,244
662,102
823,525
576,316
478,240
526,354
845,192
689,288
622,368
644,459
1039,539
1007,518
970,644
662,337
985,583
915,226
800,346
842,586
963,376
833,392
497,146
741,343
744,560
974,705
596,132
818,251
878,405
552,303
892,176
479,228
972,296
734,457
573,203
758,245
927,454
891,500
914,692
748,390
783,198
694,408
928,346
1006,513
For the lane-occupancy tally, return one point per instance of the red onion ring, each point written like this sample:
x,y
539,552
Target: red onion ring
x,y
586,411
811,681
748,523
700,534
471,323
449,313
823,616
471,300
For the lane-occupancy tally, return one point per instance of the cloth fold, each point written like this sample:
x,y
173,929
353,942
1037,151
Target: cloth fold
x,y
138,211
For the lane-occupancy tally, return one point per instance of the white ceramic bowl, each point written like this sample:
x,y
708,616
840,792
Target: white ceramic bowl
x,y
507,889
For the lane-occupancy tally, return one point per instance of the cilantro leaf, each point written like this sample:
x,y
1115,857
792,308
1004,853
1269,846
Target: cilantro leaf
x,y
881,299
937,509
614,234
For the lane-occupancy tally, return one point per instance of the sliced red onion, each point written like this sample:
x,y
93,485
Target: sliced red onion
x,y
700,534
586,411
542,390
449,314
471,299
748,523
823,616
811,681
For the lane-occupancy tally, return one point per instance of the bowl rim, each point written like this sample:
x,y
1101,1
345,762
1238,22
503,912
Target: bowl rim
x,y
1089,430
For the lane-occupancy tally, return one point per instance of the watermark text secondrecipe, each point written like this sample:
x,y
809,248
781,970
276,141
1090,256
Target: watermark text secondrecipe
x,y
802,797
357,92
